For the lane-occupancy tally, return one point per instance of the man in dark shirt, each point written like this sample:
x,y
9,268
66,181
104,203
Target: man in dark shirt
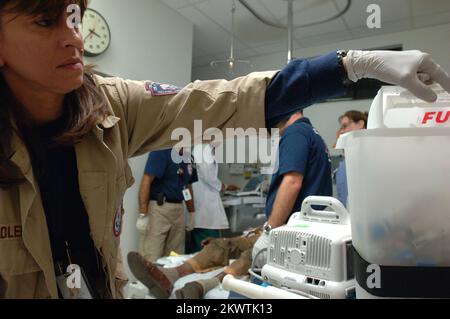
x,y
163,190
304,170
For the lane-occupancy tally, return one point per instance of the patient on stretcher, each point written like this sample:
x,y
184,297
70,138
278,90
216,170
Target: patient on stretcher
x,y
216,253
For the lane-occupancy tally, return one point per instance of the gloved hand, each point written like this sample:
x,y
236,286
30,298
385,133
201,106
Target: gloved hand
x,y
142,223
262,243
409,69
191,222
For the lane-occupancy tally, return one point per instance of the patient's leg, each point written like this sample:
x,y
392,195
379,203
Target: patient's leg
x,y
198,289
158,280
216,253
240,266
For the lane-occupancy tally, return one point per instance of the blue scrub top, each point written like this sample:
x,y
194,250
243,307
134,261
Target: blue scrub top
x,y
302,150
170,178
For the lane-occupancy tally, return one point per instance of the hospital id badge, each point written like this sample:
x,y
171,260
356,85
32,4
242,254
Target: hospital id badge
x,y
73,284
187,195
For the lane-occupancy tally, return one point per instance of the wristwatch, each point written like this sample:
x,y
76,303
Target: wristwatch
x,y
267,228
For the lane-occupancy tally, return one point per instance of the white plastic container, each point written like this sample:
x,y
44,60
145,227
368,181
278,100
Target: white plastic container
x,y
398,173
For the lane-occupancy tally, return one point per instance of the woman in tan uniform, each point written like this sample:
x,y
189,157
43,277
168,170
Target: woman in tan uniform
x,y
66,136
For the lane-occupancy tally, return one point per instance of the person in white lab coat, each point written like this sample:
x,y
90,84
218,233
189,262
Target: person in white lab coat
x,y
210,216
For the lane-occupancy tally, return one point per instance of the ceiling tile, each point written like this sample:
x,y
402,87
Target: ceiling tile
x,y
248,29
310,12
197,17
220,12
326,38
332,26
426,7
215,39
278,46
254,32
278,8
178,4
261,8
431,19
211,40
387,27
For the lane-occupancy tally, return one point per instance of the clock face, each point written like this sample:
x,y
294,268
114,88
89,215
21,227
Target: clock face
x,y
96,33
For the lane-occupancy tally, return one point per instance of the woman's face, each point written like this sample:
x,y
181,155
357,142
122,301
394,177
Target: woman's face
x,y
41,53
347,125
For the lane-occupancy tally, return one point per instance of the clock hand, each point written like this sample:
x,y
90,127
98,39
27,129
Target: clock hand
x,y
90,34
95,33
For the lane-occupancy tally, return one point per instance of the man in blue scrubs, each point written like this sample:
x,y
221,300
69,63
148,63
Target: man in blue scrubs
x,y
304,170
161,222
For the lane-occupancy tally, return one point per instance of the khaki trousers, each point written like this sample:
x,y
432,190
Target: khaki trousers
x,y
217,252
165,231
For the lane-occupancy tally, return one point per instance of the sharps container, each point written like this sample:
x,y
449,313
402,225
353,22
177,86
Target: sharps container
x,y
398,173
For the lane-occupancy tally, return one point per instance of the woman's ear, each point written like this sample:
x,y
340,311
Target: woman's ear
x,y
360,122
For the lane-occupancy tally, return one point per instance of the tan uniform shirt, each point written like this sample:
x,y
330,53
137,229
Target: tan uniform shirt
x,y
142,121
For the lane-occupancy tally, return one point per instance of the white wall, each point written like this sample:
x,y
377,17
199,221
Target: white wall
x,y
434,40
149,41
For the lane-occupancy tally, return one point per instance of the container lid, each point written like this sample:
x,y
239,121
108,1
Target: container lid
x,y
396,107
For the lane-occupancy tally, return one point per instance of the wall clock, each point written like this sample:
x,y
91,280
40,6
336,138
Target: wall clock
x,y
96,33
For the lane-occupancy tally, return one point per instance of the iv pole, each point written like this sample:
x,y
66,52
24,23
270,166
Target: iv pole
x,y
231,61
290,30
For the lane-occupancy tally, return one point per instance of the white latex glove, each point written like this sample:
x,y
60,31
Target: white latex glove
x,y
409,69
142,223
191,223
262,243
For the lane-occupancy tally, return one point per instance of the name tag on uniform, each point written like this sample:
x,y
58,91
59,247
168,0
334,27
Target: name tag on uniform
x,y
9,232
73,284
187,195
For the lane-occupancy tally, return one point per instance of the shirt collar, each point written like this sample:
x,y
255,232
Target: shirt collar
x,y
304,120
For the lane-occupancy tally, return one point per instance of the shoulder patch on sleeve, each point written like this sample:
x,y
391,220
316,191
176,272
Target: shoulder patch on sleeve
x,y
158,89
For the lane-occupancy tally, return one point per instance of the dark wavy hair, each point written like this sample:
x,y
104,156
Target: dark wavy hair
x,y
84,107
356,116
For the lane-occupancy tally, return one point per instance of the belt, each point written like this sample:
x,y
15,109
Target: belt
x,y
168,200
172,201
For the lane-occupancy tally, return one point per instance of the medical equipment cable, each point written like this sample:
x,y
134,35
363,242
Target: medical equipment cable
x,y
253,269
